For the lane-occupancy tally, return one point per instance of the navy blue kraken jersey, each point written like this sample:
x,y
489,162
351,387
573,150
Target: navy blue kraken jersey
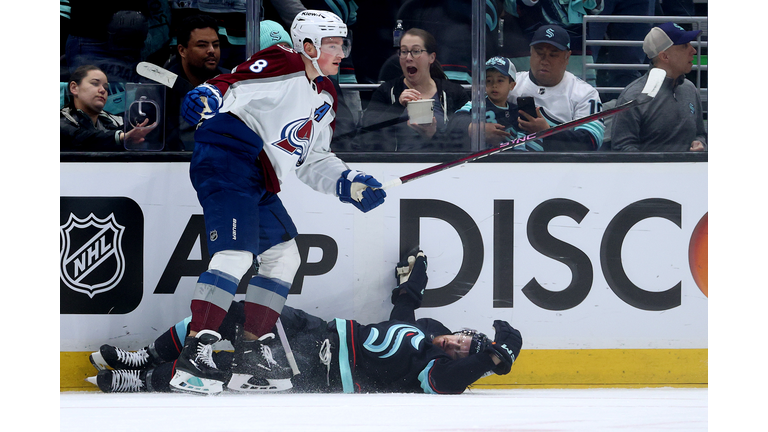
x,y
398,356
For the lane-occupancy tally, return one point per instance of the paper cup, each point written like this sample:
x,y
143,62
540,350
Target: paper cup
x,y
420,111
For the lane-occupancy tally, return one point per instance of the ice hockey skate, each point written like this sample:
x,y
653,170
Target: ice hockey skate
x,y
195,370
254,368
110,357
120,381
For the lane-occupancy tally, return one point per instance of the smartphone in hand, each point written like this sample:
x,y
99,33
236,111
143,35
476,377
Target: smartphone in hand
x,y
525,104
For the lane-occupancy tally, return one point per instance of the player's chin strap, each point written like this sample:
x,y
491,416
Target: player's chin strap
x,y
314,61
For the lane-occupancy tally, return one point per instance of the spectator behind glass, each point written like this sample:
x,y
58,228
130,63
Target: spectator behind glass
x,y
500,115
84,126
450,22
523,17
673,120
197,60
422,78
559,95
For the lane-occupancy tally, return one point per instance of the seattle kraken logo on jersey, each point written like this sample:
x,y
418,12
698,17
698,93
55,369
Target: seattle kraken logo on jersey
x,y
91,259
393,340
296,138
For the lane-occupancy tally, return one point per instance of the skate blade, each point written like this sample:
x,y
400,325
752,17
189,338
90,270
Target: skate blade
x,y
188,383
239,382
98,361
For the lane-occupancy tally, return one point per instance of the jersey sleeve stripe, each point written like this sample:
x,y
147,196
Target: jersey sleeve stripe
x,y
426,385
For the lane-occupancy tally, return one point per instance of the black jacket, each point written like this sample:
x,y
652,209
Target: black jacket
x,y
387,120
77,132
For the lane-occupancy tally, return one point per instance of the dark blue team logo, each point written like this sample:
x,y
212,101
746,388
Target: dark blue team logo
x,y
101,257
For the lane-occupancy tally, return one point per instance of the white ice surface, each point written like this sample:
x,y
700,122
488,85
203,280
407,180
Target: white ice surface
x,y
660,409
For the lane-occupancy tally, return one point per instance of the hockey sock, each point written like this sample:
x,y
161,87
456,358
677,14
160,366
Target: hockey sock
x,y
264,301
213,296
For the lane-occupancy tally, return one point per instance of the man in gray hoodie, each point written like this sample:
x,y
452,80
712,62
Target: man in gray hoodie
x,y
673,120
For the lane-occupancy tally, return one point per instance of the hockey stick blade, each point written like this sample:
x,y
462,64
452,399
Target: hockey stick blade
x,y
164,76
655,80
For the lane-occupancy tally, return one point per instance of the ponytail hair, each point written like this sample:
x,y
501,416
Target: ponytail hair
x,y
430,44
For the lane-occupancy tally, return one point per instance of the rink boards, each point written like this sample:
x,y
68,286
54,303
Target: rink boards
x,y
602,266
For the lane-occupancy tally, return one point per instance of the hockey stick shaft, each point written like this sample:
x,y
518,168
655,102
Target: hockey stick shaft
x,y
507,145
655,80
287,347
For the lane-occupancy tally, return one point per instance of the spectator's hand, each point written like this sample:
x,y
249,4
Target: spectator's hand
x,y
408,95
697,146
137,134
426,131
506,346
532,124
495,133
201,102
360,190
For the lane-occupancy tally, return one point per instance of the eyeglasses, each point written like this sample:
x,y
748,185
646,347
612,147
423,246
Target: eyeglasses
x,y
414,52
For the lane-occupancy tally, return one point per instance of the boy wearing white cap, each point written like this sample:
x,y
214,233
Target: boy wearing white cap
x,y
673,120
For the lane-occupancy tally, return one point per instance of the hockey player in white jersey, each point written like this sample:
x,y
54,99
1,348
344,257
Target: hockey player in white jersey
x,y
271,117
559,95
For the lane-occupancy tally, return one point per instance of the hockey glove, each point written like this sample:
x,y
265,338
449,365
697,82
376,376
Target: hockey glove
x,y
201,102
506,346
360,190
412,277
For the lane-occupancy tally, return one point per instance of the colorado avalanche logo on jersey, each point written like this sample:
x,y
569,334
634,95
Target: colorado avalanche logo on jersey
x,y
296,138
393,340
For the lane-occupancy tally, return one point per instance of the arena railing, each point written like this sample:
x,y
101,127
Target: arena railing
x,y
699,21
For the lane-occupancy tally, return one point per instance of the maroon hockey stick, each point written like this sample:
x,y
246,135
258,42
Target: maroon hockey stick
x,y
655,80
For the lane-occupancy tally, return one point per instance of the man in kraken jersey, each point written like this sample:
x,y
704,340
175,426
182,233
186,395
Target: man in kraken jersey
x,y
270,117
402,354
559,95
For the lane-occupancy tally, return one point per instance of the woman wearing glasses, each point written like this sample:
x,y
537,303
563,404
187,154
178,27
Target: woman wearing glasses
x,y
422,78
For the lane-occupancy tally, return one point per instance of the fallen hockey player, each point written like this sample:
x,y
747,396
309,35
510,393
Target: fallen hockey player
x,y
402,354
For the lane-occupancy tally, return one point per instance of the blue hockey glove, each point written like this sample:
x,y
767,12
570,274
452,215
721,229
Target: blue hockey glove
x,y
411,274
360,190
506,346
201,102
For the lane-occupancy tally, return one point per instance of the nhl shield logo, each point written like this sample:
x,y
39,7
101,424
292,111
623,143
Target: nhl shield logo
x,y
92,259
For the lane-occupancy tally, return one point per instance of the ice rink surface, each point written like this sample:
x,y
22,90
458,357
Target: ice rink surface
x,y
648,409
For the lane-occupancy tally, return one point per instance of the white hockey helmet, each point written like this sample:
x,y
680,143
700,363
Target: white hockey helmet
x,y
316,25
